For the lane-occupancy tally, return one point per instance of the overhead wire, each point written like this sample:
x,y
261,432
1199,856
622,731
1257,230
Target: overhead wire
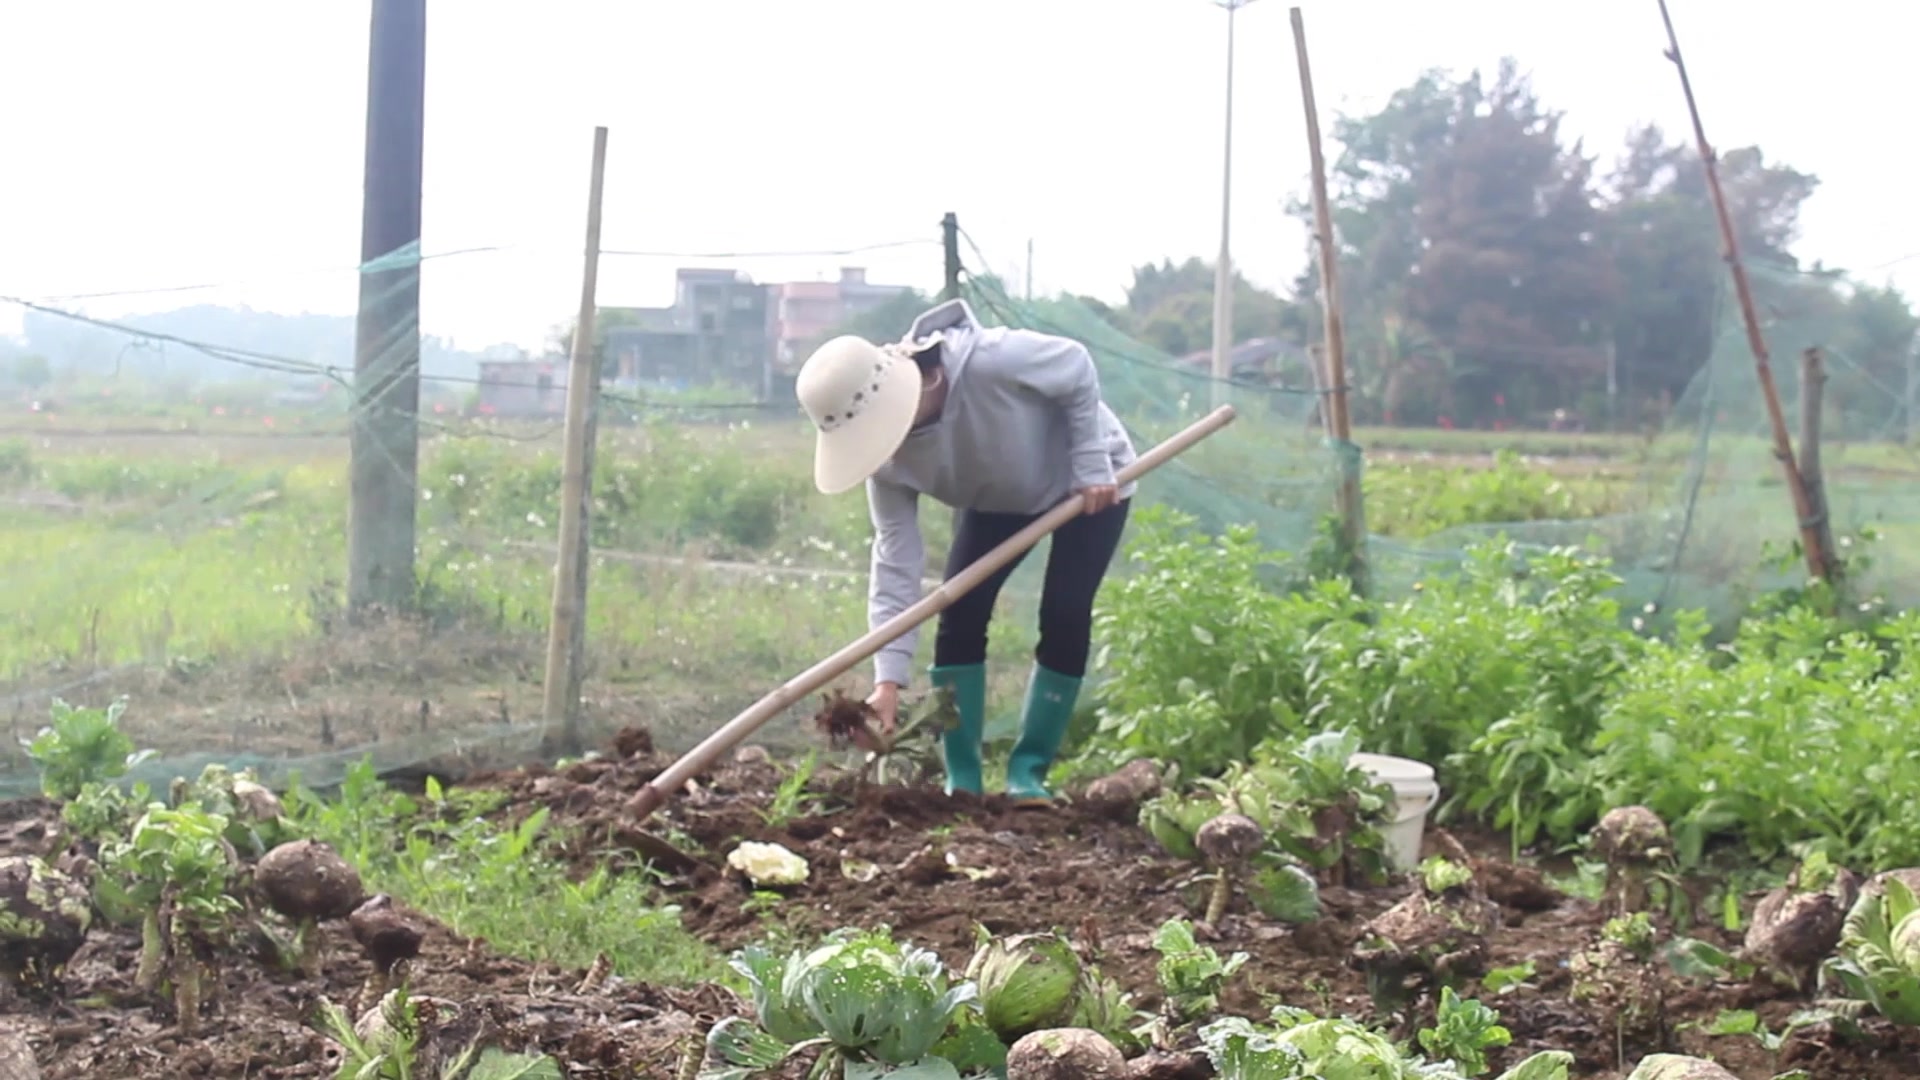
x,y
342,375
390,263
231,485
339,374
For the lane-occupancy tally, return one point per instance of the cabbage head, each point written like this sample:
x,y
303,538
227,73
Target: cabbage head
x,y
1027,983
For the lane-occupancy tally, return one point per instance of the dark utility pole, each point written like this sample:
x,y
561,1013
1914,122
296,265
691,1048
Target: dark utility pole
x,y
386,363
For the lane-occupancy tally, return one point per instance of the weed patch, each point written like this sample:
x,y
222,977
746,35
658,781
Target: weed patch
x,y
441,855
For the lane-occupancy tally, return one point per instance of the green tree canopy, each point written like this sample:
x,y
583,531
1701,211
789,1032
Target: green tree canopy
x,y
1491,268
32,371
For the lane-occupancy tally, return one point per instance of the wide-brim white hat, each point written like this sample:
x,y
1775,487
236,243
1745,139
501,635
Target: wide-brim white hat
x,y
862,399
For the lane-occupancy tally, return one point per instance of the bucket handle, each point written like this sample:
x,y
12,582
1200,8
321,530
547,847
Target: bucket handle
x,y
1410,808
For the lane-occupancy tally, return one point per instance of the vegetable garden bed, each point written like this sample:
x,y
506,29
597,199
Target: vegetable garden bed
x,y
934,872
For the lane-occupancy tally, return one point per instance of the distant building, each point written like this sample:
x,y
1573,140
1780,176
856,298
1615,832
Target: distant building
x,y
723,327
522,388
803,312
716,331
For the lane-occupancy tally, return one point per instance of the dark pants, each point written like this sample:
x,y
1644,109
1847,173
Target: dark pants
x,y
1082,550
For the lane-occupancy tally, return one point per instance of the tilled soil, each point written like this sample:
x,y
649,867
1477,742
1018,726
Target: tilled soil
x,y
259,1024
929,867
932,867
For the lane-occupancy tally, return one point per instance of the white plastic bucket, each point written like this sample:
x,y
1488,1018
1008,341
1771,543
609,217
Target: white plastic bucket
x,y
1415,794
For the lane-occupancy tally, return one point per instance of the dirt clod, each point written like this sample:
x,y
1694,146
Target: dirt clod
x,y
1631,835
387,934
848,722
16,1058
633,742
1793,930
1065,1054
1118,795
44,917
256,802
1168,1065
306,879
1522,888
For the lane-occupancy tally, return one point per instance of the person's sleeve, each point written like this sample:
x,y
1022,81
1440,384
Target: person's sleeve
x,y
899,562
1062,370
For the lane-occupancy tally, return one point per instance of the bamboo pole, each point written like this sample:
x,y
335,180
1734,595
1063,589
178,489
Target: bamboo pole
x,y
561,696
696,761
1819,557
1334,410
1813,387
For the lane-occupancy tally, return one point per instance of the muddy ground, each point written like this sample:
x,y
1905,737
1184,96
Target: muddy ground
x,y
943,865
262,1024
946,864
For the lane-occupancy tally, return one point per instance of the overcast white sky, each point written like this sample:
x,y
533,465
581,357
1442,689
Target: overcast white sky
x,y
151,145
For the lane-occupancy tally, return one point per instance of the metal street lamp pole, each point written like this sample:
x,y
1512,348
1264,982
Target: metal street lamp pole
x,y
1223,267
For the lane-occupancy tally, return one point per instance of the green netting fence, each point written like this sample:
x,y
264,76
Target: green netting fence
x,y
1707,495
201,572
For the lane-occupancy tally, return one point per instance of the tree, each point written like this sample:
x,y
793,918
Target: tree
x,y
605,319
32,371
1664,238
1511,279
1170,307
1487,270
1115,317
1465,225
1868,333
888,321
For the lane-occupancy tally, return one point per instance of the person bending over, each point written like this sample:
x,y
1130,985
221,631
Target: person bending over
x,y
1002,425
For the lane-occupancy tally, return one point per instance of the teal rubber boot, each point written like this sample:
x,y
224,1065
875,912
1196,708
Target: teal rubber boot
x,y
1051,697
962,744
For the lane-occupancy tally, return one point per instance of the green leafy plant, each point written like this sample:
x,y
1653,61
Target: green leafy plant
x,y
82,747
1505,980
1416,501
254,816
103,810
1782,734
388,1052
1747,1022
1300,1046
1199,661
912,753
1316,810
791,798
1464,1031
176,868
1030,982
1542,700
860,998
1026,982
1439,874
1191,975
394,1042
1435,936
1879,958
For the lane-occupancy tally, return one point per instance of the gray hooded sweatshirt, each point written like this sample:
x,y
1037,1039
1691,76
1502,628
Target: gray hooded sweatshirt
x,y
1022,429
